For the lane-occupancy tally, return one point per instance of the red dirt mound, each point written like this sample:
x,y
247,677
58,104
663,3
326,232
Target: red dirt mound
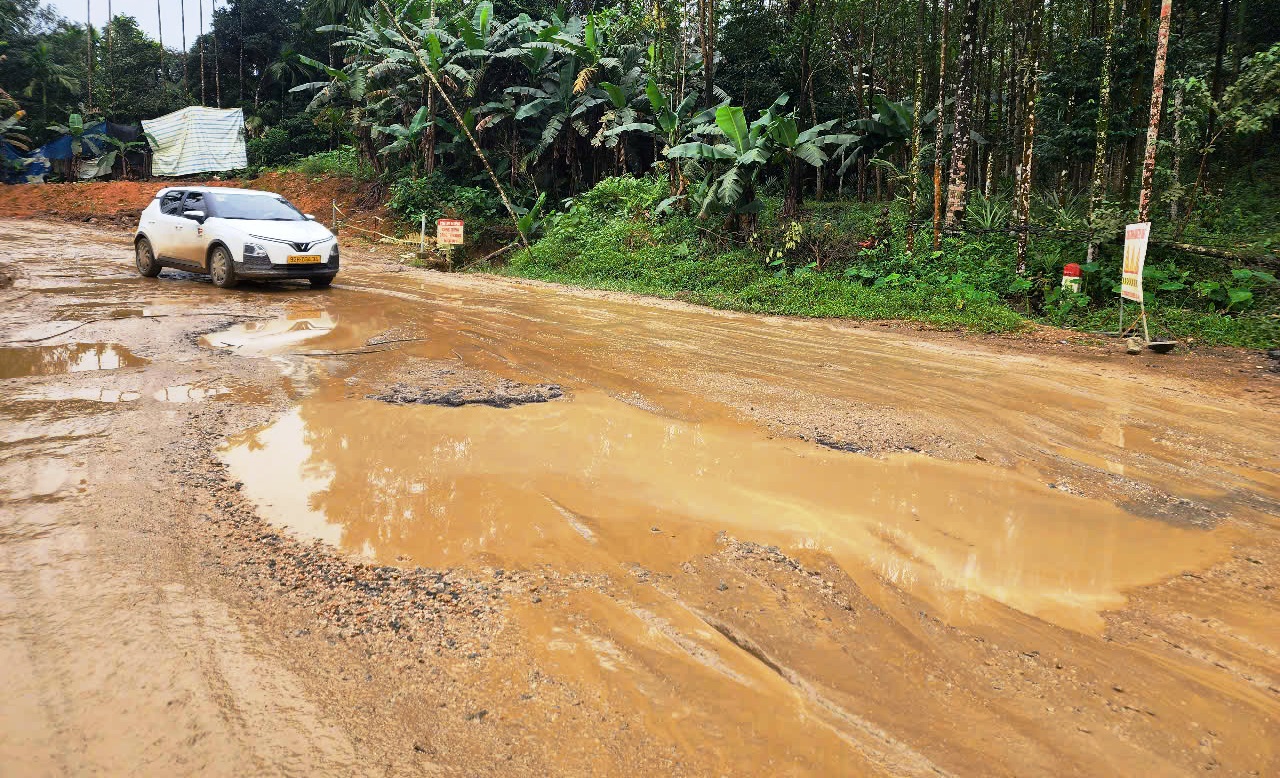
x,y
121,202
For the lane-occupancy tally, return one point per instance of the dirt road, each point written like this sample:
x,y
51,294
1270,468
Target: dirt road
x,y
429,524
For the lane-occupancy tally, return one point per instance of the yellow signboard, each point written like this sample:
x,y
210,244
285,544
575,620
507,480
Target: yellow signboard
x,y
1135,254
448,232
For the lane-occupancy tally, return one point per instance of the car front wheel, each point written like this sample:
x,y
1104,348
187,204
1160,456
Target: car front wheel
x,y
145,259
321,282
221,270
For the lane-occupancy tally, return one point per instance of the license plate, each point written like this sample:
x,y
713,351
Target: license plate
x,y
304,259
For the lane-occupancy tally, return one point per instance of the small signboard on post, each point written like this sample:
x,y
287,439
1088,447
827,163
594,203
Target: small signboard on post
x,y
449,232
1135,254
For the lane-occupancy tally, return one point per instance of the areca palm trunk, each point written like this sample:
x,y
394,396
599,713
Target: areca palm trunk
x,y
217,71
938,132
182,18
1097,187
1031,71
916,130
958,183
1157,98
202,97
88,30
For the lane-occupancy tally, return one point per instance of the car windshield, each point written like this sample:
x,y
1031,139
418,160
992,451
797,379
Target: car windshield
x,y
247,206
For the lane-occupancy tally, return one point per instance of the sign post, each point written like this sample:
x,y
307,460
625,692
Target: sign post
x,y
1135,255
449,232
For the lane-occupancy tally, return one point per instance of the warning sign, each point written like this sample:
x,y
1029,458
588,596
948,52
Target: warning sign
x,y
449,232
1135,254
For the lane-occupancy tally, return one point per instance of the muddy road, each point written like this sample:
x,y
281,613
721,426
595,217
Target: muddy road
x,y
426,524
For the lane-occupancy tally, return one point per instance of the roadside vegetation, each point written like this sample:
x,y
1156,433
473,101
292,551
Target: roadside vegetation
x,y
938,162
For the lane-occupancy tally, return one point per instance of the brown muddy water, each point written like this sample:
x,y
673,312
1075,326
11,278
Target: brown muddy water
x,y
588,483
66,358
654,474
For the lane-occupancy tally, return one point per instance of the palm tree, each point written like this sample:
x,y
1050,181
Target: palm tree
x,y
288,69
47,72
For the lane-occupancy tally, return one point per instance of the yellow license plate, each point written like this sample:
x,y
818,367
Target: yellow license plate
x,y
304,259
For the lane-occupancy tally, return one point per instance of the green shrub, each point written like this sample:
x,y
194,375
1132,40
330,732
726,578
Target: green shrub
x,y
342,161
437,197
270,150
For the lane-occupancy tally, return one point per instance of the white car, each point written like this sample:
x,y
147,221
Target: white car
x,y
232,234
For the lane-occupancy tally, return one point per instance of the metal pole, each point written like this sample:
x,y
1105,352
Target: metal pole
x,y
422,235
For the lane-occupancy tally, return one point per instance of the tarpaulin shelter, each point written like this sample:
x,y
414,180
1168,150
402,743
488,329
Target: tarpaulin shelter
x,y
197,140
58,155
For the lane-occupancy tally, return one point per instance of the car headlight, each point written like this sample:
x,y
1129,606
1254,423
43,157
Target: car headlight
x,y
254,251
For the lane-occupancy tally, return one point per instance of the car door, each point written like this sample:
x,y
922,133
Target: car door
x,y
189,245
164,234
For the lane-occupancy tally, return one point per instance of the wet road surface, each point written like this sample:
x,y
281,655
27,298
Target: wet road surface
x,y
736,545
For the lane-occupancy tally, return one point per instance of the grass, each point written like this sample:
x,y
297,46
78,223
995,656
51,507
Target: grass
x,y
611,239
342,161
608,240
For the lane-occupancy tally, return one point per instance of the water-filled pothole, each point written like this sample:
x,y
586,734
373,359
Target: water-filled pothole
x,y
594,483
65,358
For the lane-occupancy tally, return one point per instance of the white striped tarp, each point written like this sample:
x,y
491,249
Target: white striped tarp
x,y
197,140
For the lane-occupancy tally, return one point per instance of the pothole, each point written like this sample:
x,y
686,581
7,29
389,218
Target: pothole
x,y
427,382
66,358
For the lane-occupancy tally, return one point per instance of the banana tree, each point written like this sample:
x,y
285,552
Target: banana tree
x,y
794,148
667,125
121,149
745,149
81,137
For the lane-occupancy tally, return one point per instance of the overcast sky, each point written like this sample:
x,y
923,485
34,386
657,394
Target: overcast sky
x,y
145,12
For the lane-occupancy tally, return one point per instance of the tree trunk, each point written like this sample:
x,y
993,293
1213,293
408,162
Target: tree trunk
x,y
1215,82
1031,78
217,71
431,131
1097,186
938,133
795,188
1175,173
160,31
1157,99
88,61
202,96
707,40
958,185
111,65
182,18
917,103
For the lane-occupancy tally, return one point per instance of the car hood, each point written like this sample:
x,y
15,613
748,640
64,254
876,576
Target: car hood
x,y
294,232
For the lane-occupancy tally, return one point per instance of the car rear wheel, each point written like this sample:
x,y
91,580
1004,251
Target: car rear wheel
x,y
321,282
221,270
145,258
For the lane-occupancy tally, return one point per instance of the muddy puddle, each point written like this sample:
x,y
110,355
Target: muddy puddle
x,y
93,394
66,358
593,484
272,336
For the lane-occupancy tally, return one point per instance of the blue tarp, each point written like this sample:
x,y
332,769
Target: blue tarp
x,y
18,167
60,149
32,167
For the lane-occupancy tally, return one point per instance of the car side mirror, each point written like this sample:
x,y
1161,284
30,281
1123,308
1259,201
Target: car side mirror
x,y
310,216
197,215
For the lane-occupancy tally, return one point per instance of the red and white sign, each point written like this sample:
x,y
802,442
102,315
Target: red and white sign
x,y
1135,254
448,232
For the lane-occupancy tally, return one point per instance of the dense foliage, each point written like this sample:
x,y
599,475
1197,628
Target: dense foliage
x,y
827,146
